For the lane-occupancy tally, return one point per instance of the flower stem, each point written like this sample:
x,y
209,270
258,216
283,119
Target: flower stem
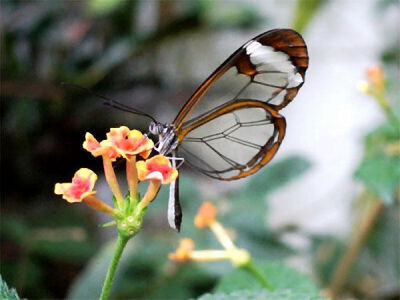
x,y
385,105
361,232
99,205
151,193
131,175
112,180
256,273
121,243
222,235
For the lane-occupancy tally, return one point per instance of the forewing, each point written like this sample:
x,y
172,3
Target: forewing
x,y
269,68
234,141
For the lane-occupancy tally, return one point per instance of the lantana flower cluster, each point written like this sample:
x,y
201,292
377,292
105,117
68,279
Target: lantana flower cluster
x,y
120,143
240,258
206,217
375,86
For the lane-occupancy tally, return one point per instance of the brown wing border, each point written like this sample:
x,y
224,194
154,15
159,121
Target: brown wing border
x,y
286,40
267,151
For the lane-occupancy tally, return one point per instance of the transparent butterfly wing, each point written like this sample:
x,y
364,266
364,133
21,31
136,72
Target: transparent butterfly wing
x,y
231,127
269,68
233,142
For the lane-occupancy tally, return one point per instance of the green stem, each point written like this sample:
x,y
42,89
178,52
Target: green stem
x,y
256,273
384,103
121,243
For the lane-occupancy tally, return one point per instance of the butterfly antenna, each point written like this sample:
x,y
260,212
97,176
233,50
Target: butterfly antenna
x,y
111,102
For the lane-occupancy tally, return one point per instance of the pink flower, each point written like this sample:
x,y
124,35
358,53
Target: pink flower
x,y
157,168
102,148
130,142
81,186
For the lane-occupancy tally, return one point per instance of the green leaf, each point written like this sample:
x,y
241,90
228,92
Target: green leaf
x,y
380,171
280,277
248,207
381,174
6,292
248,203
275,176
326,253
261,294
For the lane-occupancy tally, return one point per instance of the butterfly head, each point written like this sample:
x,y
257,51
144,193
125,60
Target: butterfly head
x,y
167,140
156,128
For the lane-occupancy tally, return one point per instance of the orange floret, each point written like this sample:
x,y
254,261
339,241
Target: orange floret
x,y
206,215
81,186
157,168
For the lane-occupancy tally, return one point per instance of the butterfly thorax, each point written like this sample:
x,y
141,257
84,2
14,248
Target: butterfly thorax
x,y
167,140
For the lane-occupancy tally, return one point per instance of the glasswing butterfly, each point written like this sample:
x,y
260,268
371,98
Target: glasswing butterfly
x,y
231,127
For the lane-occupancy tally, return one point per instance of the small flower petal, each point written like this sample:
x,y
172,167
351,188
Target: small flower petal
x,y
102,148
206,215
157,168
376,77
81,186
183,252
130,142
154,176
90,144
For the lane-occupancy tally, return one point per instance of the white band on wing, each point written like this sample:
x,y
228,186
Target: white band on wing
x,y
277,60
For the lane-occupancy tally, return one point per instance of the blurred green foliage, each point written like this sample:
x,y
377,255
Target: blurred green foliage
x,y
281,277
59,243
304,13
228,14
102,7
260,294
376,271
380,169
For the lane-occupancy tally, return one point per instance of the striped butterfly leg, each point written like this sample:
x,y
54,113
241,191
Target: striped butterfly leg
x,y
174,206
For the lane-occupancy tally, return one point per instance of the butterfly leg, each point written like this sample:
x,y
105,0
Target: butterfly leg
x,y
175,159
174,206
